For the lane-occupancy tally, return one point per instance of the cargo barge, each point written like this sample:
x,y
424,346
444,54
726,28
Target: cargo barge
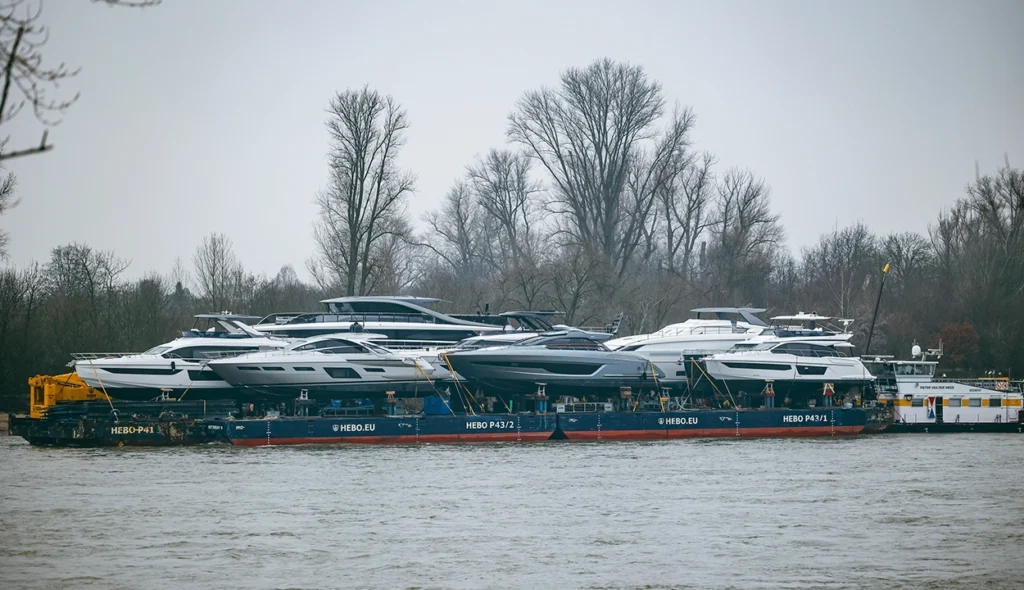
x,y
89,424
574,422
100,424
388,429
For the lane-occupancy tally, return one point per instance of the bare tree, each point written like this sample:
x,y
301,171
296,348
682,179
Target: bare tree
x,y
575,284
216,271
7,202
503,188
27,81
362,207
596,137
21,42
455,234
179,274
744,231
910,255
83,283
842,262
686,201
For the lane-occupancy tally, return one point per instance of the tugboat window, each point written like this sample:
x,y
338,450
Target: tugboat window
x,y
975,402
954,403
995,402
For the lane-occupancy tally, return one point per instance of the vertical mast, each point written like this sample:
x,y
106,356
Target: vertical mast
x,y
871,332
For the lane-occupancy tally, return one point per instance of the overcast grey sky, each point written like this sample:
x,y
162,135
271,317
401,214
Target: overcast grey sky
x,y
202,116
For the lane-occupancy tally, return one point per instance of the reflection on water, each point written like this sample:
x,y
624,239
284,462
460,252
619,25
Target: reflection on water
x,y
887,511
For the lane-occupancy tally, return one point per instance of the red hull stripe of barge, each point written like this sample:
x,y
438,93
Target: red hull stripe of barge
x,y
788,431
657,434
406,439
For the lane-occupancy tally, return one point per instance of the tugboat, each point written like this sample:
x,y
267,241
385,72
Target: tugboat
x,y
922,403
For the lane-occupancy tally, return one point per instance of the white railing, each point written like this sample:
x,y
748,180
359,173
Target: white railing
x,y
91,356
424,345
996,385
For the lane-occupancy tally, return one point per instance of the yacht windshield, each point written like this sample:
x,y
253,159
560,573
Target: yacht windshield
x,y
375,347
535,341
742,346
157,350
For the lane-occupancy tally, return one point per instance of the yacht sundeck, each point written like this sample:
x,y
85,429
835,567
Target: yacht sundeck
x,y
520,325
327,367
565,362
176,367
398,318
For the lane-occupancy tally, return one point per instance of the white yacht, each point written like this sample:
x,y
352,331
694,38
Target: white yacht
x,y
725,327
327,367
801,327
923,403
176,369
796,369
670,347
402,319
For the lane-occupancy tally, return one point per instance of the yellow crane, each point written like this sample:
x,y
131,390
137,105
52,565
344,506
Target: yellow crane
x,y
46,391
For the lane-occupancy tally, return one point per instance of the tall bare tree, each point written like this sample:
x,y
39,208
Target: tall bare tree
x,y
686,199
575,284
26,81
7,202
503,187
596,136
216,271
363,205
841,263
744,231
455,234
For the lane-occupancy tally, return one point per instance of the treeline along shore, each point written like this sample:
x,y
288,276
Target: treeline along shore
x,y
598,203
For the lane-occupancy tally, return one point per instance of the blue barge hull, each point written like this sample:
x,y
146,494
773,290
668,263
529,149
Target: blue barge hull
x,y
390,429
713,423
539,427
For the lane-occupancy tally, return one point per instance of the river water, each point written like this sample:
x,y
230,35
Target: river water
x,y
894,511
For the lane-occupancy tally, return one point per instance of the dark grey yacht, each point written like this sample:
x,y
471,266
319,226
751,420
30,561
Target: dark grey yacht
x,y
569,362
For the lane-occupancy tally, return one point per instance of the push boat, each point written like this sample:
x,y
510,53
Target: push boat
x,y
920,402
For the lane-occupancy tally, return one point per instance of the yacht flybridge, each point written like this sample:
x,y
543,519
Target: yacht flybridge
x,y
398,318
801,327
724,327
178,367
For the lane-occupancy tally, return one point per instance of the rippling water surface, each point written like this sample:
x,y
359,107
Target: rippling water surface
x,y
890,511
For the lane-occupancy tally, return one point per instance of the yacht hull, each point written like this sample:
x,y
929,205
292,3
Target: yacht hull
x,y
564,372
800,378
135,379
288,376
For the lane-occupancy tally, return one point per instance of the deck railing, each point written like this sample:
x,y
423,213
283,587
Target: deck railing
x,y
91,356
